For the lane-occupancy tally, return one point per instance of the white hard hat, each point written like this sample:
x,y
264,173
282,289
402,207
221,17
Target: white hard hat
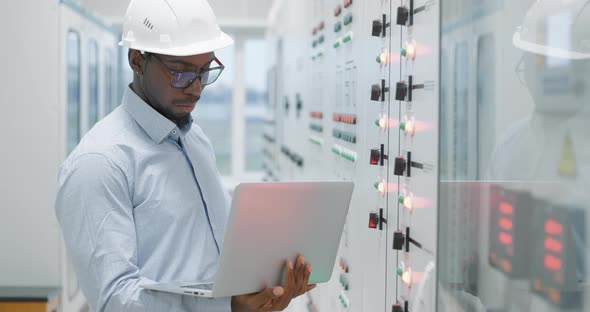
x,y
172,27
556,28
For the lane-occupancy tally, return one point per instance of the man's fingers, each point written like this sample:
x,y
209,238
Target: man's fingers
x,y
310,287
260,299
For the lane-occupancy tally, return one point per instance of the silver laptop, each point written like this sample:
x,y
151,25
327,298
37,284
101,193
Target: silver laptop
x,y
268,224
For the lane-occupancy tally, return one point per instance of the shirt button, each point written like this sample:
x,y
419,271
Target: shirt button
x,y
173,131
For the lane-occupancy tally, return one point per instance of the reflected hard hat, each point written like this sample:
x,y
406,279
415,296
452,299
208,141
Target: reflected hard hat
x,y
556,28
172,27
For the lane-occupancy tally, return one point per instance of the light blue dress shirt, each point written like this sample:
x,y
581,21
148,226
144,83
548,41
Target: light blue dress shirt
x,y
140,200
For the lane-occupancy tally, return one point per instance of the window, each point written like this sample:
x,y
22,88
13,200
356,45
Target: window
x,y
256,100
73,90
461,112
109,101
213,112
92,83
486,80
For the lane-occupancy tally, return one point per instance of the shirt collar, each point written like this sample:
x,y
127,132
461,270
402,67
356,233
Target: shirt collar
x,y
151,121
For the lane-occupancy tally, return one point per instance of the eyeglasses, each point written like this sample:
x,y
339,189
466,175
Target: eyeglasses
x,y
183,79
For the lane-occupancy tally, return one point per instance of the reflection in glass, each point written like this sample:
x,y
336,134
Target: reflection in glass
x,y
73,95
108,81
514,203
92,83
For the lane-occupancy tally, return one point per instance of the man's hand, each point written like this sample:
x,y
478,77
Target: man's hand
x,y
277,298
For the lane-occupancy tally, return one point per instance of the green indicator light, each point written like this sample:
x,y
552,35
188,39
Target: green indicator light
x,y
377,123
402,125
404,52
401,199
376,184
347,38
336,44
400,271
378,59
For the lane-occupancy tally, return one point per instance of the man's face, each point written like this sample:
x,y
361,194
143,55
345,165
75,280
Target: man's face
x,y
173,103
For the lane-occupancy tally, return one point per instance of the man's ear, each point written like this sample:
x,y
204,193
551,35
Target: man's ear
x,y
136,61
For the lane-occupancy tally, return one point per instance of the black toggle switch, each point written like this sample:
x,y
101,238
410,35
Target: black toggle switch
x,y
397,308
380,27
401,90
398,240
403,14
376,220
378,91
405,165
378,156
400,166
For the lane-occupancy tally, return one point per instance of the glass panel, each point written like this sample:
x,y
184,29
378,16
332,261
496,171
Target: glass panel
x,y
73,91
92,83
256,101
514,205
109,101
72,126
213,111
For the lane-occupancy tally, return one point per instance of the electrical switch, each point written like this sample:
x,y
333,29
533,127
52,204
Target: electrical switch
x,y
347,3
403,15
337,27
378,156
400,166
337,44
337,11
397,308
348,19
398,240
380,27
405,165
376,220
348,37
378,91
401,90
321,39
404,90
321,26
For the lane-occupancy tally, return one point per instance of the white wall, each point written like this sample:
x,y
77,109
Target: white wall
x,y
29,86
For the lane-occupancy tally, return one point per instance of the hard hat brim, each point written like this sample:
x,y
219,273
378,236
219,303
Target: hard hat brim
x,y
547,50
202,47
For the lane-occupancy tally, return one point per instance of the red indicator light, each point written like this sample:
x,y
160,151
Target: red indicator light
x,y
552,263
373,220
506,208
505,238
336,117
553,227
552,244
505,224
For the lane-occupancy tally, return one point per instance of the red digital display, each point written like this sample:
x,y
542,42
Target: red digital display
x,y
551,244
506,208
552,263
505,238
553,227
505,224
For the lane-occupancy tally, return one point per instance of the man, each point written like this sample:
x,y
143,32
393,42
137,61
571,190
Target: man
x,y
140,199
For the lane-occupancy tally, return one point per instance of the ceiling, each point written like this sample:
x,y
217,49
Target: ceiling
x,y
234,14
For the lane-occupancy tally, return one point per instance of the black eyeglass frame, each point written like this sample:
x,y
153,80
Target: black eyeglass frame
x,y
199,74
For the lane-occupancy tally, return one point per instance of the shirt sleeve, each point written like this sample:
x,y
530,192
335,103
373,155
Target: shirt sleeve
x,y
95,213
